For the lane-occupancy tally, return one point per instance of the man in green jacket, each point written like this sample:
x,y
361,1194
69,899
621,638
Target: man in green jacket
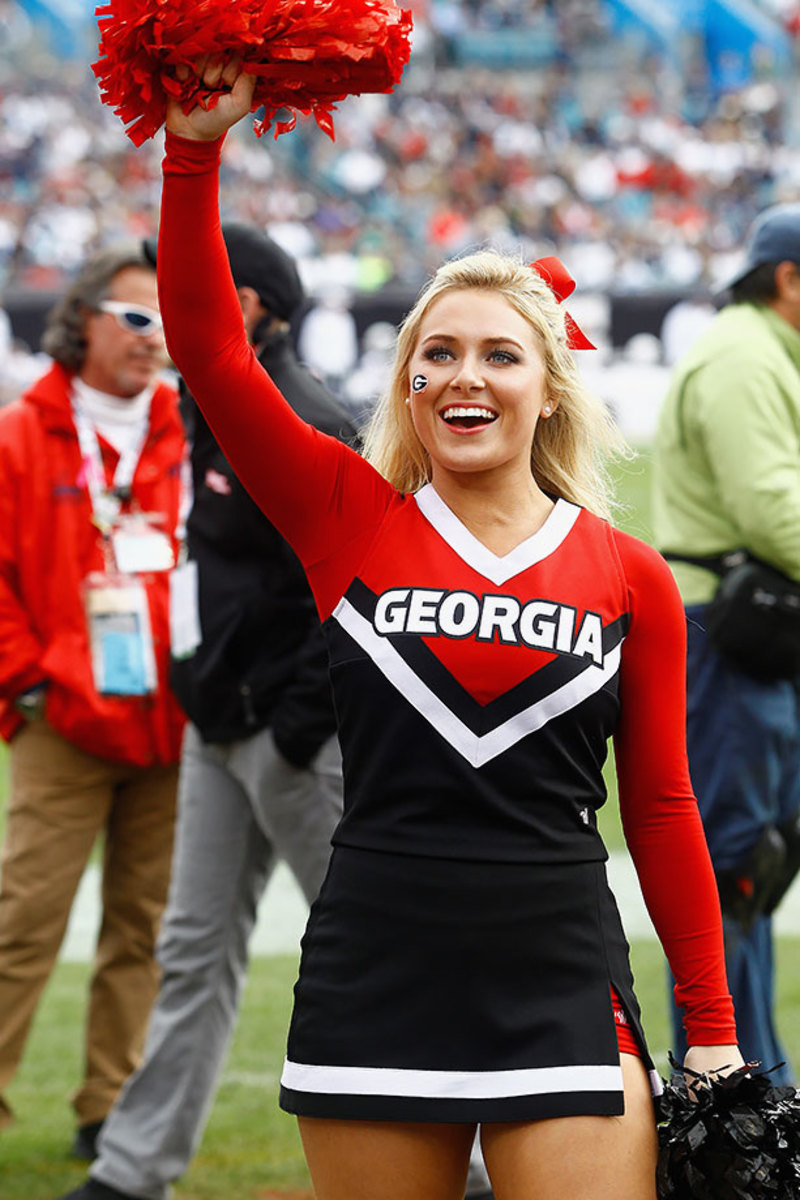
x,y
727,477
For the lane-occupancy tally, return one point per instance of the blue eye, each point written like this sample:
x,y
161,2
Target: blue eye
x,y
437,353
503,356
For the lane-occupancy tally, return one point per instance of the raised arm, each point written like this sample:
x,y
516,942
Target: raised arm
x,y
659,811
320,494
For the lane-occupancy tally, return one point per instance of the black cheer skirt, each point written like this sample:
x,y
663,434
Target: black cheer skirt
x,y
440,990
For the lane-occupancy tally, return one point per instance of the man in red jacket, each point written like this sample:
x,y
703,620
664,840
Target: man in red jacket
x,y
90,507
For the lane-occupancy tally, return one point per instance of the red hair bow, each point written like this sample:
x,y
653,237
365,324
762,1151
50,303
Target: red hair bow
x,y
561,284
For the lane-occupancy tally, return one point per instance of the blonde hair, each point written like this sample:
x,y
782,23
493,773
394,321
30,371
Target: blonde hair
x,y
568,457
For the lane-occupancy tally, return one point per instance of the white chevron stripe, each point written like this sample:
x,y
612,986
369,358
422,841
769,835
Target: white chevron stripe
x,y
477,749
450,1085
476,555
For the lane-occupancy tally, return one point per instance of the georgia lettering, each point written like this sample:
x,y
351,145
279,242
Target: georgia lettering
x,y
540,624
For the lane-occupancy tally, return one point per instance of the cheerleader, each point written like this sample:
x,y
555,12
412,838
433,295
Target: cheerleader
x,y
489,632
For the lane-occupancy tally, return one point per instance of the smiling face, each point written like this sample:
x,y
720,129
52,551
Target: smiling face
x,y
117,361
486,384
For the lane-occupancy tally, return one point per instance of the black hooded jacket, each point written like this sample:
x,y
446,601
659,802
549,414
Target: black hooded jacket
x,y
263,659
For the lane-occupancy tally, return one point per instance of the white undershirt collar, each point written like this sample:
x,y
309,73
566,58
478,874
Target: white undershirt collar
x,y
118,419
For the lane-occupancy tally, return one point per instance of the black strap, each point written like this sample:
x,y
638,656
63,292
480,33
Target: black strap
x,y
719,564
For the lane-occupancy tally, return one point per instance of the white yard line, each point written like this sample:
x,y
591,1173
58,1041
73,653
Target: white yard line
x,y
283,911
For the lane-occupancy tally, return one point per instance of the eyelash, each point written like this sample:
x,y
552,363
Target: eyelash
x,y
439,353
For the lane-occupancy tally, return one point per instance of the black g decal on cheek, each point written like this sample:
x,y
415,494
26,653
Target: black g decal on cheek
x,y
419,383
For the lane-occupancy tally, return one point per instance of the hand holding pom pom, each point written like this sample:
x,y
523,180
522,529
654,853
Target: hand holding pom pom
x,y
224,94
711,1062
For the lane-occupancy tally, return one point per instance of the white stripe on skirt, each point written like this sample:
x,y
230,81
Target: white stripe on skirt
x,y
450,1085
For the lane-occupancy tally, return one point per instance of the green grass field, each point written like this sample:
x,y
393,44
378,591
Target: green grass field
x,y
251,1150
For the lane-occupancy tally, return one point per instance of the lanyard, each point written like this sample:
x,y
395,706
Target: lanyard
x,y
106,502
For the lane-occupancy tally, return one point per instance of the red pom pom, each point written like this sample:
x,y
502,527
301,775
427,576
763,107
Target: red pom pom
x,y
307,54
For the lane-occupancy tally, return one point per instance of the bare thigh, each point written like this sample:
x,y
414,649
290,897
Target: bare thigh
x,y
583,1158
386,1160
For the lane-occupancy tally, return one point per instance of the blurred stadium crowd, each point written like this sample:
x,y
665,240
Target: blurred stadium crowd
x,y
635,166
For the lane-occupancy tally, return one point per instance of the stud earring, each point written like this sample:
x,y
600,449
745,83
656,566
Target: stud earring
x,y
408,399
547,410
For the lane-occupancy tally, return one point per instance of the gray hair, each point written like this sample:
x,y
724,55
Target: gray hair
x,y
64,338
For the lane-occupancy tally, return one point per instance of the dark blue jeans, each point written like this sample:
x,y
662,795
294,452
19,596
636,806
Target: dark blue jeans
x,y
743,739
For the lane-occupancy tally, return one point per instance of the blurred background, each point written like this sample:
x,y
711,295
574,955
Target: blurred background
x,y
633,138
636,139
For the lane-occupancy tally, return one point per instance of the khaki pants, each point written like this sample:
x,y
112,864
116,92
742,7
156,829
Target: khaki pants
x,y
60,800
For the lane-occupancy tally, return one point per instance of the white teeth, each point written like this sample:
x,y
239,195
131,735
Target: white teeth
x,y
449,414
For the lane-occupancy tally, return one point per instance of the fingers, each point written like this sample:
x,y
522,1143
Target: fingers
x,y
212,70
221,95
242,91
237,81
224,73
231,70
703,1064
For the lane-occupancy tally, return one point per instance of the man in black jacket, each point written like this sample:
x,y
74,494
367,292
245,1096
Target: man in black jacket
x,y
260,771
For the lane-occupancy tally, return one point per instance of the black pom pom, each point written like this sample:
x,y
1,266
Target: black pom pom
x,y
735,1138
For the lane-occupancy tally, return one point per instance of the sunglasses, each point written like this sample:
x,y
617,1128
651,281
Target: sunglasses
x,y
133,318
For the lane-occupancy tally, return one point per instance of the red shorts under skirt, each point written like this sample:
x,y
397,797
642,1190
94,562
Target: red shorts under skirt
x,y
625,1039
